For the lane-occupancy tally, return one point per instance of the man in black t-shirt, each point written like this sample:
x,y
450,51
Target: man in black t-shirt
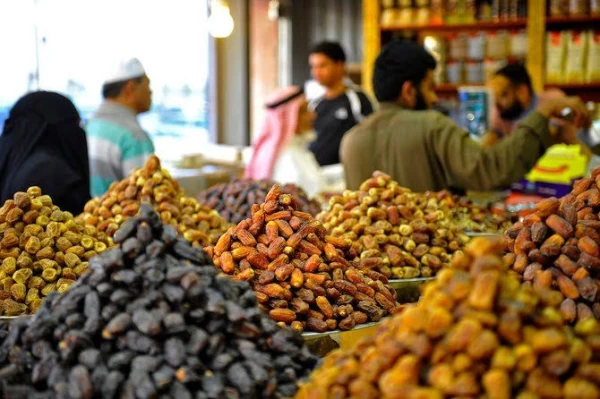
x,y
340,108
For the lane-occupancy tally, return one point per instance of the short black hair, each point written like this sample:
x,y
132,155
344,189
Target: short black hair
x,y
517,74
332,50
400,61
114,89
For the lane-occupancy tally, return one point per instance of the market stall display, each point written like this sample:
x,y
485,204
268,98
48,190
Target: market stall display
x,y
234,200
42,250
473,218
152,319
558,247
154,185
301,276
476,332
394,231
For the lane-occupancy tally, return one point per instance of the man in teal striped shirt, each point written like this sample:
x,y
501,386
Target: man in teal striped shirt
x,y
117,143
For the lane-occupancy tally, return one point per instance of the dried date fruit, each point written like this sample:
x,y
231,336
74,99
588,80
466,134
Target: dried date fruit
x,y
153,185
390,227
450,345
35,249
234,200
566,255
307,274
191,333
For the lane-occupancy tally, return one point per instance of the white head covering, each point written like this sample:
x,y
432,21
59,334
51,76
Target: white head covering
x,y
125,70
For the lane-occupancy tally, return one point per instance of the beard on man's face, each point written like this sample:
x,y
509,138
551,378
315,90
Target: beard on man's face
x,y
513,112
421,104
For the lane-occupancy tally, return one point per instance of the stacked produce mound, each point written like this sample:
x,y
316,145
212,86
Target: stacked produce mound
x,y
472,217
301,276
42,250
153,185
152,319
394,231
559,247
234,200
476,332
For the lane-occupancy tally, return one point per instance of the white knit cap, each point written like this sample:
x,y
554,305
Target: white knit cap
x,y
125,70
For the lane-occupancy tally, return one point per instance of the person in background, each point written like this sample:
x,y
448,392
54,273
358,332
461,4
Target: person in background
x,y
515,99
43,144
280,152
340,108
425,150
117,142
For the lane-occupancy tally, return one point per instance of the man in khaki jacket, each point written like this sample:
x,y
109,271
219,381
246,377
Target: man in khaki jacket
x,y
425,150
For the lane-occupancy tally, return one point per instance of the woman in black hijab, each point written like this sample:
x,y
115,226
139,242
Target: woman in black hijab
x,y
43,145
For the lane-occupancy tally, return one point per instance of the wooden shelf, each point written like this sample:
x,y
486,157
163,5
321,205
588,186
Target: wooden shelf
x,y
452,88
446,88
568,21
574,86
519,23
586,91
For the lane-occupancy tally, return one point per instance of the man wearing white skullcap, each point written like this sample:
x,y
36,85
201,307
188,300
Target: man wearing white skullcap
x,y
116,141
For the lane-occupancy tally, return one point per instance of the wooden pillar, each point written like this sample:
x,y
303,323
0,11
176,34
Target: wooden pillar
x,y
371,41
536,42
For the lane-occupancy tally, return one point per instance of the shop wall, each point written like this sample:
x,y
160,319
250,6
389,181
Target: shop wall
x,y
231,93
317,20
264,58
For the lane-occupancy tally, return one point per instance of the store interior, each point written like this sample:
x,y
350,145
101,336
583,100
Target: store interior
x,y
305,199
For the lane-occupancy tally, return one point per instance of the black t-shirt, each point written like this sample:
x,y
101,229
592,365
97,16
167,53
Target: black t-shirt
x,y
334,119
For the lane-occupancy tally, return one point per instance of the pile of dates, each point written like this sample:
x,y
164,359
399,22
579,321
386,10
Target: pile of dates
x,y
394,231
472,217
153,185
234,200
301,276
558,247
476,332
42,250
151,320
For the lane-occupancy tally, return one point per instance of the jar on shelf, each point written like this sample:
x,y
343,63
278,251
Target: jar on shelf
x,y
437,12
559,8
474,72
454,72
422,16
476,46
458,44
497,44
595,8
518,44
579,8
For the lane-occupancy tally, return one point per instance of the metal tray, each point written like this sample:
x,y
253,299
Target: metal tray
x,y
409,289
316,335
409,282
474,234
10,319
321,343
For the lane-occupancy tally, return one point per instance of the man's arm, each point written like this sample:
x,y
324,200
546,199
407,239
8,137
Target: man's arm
x,y
470,166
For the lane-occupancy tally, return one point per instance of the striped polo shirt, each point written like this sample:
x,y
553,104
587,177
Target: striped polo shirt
x,y
117,144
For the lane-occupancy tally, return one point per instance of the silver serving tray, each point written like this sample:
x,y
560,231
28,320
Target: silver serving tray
x,y
409,282
10,319
474,234
308,336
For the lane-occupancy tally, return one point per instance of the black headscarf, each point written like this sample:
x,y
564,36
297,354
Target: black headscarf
x,y
400,61
43,144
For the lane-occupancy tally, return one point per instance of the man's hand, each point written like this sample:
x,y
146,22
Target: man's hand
x,y
553,108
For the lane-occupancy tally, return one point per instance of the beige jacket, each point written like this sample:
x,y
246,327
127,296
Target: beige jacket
x,y
425,150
